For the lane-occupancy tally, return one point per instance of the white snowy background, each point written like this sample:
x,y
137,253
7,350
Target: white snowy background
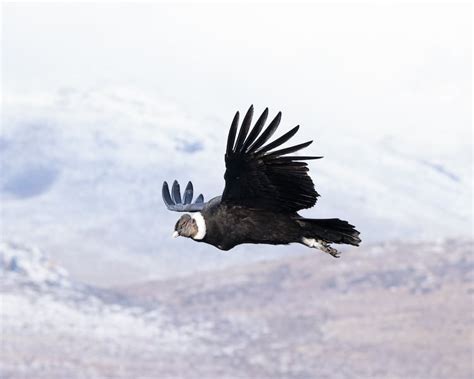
x,y
101,103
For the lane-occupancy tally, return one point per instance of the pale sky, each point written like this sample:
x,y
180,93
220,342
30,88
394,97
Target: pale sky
x,y
307,59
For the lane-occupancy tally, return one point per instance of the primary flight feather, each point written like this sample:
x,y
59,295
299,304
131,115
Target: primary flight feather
x,y
265,187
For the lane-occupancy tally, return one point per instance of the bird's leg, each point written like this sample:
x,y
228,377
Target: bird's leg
x,y
321,245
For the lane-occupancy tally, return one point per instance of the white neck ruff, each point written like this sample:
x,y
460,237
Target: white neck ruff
x,y
201,225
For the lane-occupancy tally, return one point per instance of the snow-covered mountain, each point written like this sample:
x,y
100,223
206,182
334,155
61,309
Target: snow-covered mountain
x,y
82,173
41,308
23,265
393,310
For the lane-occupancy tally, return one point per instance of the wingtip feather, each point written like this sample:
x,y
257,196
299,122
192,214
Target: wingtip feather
x,y
188,193
232,133
257,128
267,133
165,192
244,129
279,141
176,192
288,150
199,199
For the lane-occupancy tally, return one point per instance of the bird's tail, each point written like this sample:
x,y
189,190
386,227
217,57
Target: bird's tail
x,y
331,230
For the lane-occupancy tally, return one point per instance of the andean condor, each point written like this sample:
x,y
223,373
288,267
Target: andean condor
x,y
264,190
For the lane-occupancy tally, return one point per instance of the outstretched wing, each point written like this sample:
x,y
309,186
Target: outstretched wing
x,y
174,202
258,176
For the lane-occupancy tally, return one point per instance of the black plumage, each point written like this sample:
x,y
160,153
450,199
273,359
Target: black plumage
x,y
265,187
257,177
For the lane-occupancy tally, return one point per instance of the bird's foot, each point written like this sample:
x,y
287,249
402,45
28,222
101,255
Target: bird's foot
x,y
330,250
321,245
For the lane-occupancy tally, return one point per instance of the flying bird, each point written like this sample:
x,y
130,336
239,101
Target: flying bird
x,y
265,187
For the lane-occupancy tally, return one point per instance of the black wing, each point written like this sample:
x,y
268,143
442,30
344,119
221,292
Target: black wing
x,y
174,202
259,177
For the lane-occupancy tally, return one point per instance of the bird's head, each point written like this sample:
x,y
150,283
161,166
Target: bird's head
x,y
191,226
186,227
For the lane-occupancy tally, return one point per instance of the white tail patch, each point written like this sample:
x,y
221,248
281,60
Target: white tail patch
x,y
201,225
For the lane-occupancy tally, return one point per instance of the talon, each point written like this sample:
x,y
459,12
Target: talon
x,y
335,253
330,250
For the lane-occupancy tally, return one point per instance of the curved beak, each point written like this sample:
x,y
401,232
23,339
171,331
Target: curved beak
x,y
175,234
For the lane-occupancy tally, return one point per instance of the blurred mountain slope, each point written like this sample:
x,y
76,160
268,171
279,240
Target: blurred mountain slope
x,y
388,310
84,168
